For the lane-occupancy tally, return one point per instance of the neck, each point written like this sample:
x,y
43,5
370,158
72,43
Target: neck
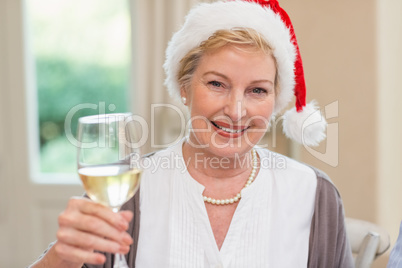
x,y
222,177
201,162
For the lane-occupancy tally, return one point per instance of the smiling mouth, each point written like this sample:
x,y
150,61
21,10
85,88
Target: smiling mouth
x,y
229,130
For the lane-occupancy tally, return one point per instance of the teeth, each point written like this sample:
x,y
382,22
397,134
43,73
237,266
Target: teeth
x,y
229,130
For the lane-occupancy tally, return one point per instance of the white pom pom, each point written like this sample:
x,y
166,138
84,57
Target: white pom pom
x,y
307,127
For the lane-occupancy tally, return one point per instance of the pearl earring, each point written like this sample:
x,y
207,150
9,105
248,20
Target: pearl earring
x,y
184,100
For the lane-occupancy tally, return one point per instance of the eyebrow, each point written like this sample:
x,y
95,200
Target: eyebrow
x,y
225,77
216,73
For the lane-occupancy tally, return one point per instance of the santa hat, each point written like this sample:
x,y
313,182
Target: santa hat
x,y
303,123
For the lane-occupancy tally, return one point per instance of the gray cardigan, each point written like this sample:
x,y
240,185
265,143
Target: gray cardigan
x,y
328,246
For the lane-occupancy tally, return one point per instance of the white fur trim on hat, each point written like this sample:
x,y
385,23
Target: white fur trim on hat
x,y
207,18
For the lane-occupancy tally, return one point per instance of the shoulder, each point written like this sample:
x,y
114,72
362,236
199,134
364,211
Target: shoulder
x,y
282,166
160,153
277,161
160,168
166,159
324,178
329,213
326,190
329,246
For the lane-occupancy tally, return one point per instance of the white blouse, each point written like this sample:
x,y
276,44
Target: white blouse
x,y
270,227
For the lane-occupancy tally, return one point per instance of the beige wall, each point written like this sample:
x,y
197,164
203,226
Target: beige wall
x,y
351,53
339,51
389,117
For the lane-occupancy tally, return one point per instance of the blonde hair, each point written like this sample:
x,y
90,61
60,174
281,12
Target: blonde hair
x,y
243,38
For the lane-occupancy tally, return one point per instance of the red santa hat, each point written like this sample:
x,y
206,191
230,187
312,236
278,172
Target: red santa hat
x,y
303,123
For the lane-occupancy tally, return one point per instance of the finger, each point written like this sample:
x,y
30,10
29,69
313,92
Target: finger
x,y
89,241
128,215
94,226
89,207
78,255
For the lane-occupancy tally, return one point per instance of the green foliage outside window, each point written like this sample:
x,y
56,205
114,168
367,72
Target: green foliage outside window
x,y
63,85
81,51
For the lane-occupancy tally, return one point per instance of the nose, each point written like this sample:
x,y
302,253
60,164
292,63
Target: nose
x,y
235,107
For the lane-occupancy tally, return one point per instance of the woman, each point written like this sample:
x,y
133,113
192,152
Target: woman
x,y
213,200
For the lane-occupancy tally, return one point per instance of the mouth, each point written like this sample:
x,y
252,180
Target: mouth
x,y
229,129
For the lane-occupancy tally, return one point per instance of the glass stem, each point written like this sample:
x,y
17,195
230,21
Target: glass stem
x,y
119,261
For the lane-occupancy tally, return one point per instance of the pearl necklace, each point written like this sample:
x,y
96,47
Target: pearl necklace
x,y
238,196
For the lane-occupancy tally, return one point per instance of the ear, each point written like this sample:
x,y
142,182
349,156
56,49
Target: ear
x,y
184,95
183,92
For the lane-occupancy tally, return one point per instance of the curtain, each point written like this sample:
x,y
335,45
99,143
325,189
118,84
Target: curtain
x,y
153,23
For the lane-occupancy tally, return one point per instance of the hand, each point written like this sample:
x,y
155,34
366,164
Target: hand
x,y
86,226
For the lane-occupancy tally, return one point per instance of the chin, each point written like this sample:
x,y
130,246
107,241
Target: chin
x,y
228,145
230,149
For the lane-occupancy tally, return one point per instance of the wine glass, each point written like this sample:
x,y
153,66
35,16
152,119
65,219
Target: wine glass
x,y
108,161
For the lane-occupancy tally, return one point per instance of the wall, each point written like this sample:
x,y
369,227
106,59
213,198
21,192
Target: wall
x,y
350,53
389,175
338,44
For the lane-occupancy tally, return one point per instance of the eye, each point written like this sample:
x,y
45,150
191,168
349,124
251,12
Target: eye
x,y
215,83
258,90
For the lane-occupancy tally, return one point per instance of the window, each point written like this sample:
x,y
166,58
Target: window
x,y
80,52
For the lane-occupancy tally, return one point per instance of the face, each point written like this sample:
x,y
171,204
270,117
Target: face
x,y
231,97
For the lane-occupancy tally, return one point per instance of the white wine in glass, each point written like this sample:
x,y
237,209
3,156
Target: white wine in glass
x,y
107,148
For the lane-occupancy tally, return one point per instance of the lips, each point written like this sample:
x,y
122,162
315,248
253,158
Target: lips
x,y
232,130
